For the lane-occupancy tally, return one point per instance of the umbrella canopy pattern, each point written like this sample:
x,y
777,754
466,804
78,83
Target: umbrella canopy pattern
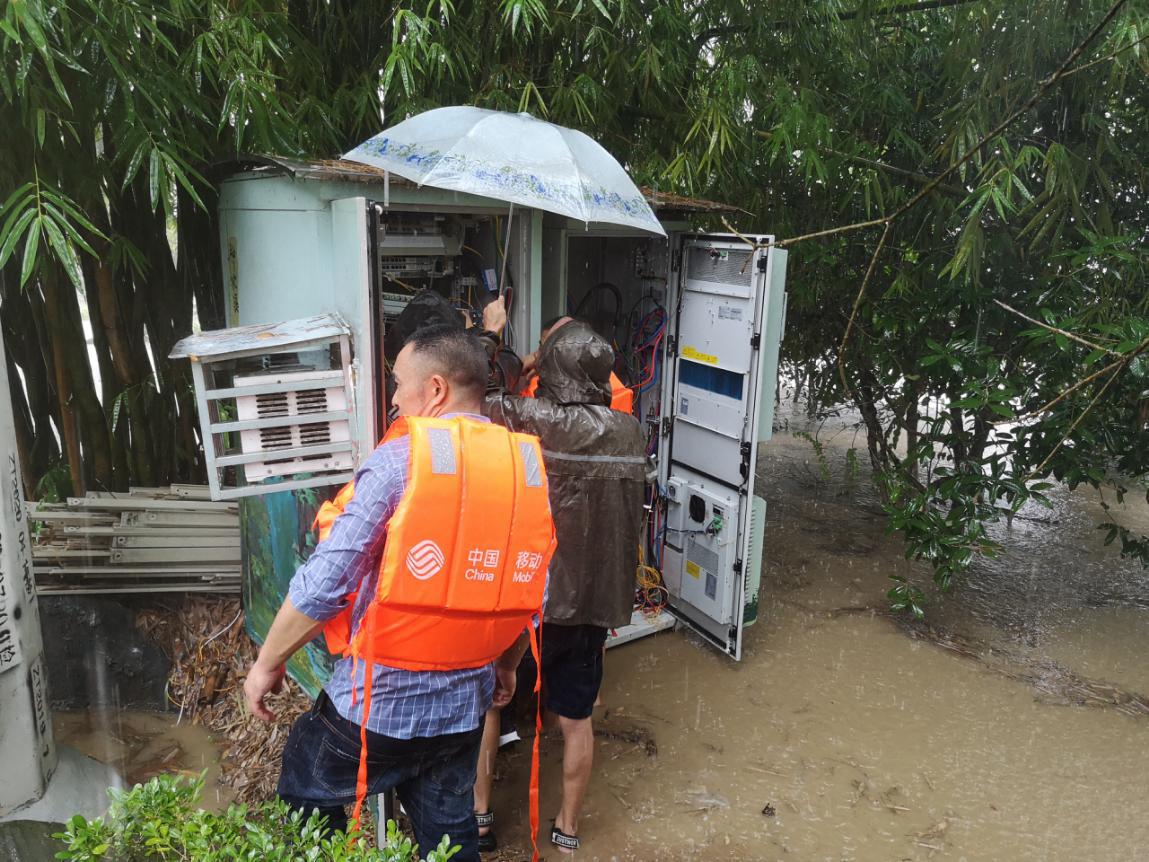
x,y
511,157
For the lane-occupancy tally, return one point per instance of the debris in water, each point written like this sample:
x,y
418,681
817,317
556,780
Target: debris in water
x,y
639,737
210,657
703,800
753,767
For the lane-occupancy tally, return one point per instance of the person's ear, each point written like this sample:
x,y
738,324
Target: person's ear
x,y
438,386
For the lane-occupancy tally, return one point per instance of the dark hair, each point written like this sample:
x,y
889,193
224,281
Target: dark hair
x,y
456,354
426,308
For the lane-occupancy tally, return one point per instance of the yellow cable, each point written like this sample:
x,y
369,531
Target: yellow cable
x,y
650,584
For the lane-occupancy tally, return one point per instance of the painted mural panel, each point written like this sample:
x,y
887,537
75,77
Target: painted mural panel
x,y
277,539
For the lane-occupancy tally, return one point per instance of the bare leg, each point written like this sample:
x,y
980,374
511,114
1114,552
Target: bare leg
x,y
485,775
578,758
598,698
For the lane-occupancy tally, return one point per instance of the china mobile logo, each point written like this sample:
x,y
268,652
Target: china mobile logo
x,y
425,560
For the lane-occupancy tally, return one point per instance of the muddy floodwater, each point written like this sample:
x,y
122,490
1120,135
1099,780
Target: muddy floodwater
x,y
1013,725
141,745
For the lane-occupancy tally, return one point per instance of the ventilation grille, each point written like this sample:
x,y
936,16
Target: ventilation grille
x,y
705,558
720,266
275,407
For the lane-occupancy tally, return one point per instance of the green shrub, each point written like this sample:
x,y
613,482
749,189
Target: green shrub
x,y
160,820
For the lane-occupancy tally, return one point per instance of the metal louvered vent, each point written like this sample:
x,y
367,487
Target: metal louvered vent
x,y
720,266
705,558
280,427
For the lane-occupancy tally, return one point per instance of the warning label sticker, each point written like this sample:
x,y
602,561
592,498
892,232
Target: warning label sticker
x,y
689,352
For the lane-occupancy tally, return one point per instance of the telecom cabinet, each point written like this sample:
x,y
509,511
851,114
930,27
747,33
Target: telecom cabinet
x,y
696,319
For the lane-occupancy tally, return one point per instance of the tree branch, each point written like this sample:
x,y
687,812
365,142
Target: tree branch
x,y
1068,335
896,10
1081,416
1042,89
1125,359
893,169
1112,56
881,166
1051,404
857,305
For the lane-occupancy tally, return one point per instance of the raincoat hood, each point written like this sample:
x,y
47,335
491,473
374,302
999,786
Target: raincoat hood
x,y
575,365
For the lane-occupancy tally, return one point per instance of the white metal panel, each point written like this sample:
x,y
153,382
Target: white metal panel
x,y
351,287
723,346
774,328
716,329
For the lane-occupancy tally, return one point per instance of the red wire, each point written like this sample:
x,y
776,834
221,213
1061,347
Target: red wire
x,y
654,353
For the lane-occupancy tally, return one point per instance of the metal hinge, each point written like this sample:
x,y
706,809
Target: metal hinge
x,y
763,262
671,344
738,566
665,426
745,466
755,341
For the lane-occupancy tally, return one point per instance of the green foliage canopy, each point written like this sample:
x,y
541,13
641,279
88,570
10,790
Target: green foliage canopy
x,y
1001,338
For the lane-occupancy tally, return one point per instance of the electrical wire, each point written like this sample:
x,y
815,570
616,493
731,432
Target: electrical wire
x,y
401,283
651,594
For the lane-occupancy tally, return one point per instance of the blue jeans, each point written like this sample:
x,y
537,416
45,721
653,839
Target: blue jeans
x,y
434,776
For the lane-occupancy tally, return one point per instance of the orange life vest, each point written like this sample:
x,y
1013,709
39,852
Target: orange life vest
x,y
465,561
621,395
464,565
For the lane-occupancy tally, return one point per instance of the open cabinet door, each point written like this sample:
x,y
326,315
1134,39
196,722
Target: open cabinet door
x,y
726,323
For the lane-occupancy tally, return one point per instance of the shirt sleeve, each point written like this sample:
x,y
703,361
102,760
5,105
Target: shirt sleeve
x,y
352,550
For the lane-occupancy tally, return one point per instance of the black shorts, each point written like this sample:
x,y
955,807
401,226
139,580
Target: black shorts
x,y
572,669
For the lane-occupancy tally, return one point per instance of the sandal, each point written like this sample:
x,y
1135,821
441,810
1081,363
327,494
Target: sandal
x,y
487,843
566,843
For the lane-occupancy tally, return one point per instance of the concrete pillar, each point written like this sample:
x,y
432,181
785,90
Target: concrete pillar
x,y
27,750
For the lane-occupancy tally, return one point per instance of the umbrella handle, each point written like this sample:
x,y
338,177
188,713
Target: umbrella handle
x,y
506,248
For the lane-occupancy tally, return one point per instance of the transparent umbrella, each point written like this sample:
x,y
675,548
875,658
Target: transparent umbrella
x,y
511,157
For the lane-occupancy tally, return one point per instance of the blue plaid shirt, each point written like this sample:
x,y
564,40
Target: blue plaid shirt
x,y
404,704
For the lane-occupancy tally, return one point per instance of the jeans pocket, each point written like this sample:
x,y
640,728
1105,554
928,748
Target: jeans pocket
x,y
335,769
345,731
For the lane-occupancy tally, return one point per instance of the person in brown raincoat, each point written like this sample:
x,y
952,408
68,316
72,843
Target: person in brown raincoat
x,y
595,460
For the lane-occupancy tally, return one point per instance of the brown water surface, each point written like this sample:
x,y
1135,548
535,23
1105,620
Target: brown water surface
x,y
1002,730
141,745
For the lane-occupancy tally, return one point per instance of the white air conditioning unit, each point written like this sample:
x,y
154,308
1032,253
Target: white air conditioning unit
x,y
312,407
276,405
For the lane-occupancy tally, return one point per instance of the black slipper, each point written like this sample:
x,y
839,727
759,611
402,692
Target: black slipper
x,y
563,841
487,843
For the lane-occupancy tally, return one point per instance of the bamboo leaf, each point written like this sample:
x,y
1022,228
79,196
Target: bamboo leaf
x,y
31,248
70,207
116,405
11,234
65,254
62,221
154,169
21,191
